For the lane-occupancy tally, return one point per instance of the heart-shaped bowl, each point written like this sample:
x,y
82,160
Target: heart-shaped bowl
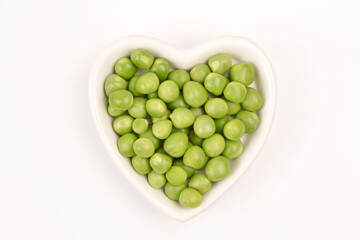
x,y
240,49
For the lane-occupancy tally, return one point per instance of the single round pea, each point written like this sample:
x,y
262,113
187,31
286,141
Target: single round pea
x,y
168,91
147,83
172,191
243,73
160,162
184,130
190,198
156,180
140,125
252,101
144,147
125,68
131,86
123,124
161,68
250,119
197,111
166,116
195,139
114,112
125,145
204,126
233,108
152,95
182,118
180,77
220,63
220,123
149,135
189,170
199,72
179,102
234,129
114,82
233,149
141,165
200,182
142,58
175,145
195,157
162,128
138,109
215,83
214,145
156,107
195,94
176,175
121,99
216,108
235,92
217,168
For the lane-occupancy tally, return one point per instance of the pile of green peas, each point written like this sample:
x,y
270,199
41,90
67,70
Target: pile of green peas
x,y
181,128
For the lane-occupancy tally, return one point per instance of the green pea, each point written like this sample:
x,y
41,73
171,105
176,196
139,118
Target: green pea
x,y
176,175
184,130
200,182
179,102
161,68
189,145
235,92
122,124
147,83
220,123
197,111
144,147
138,109
182,118
233,149
125,145
125,68
215,83
190,198
199,72
160,162
156,180
204,126
250,119
162,128
195,139
166,116
175,145
195,157
243,73
195,94
131,86
216,108
156,107
220,63
180,77
114,111
252,101
152,95
173,192
114,82
214,145
234,129
189,170
121,99
233,108
142,58
141,165
162,150
140,125
217,168
168,91
148,134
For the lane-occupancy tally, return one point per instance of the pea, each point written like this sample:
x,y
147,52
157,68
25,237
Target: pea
x,y
162,150
197,111
122,124
176,175
142,58
216,108
200,183
125,68
179,102
162,129
195,139
160,162
114,82
252,101
189,145
121,99
184,130
138,109
172,191
161,68
250,119
152,95
235,92
156,180
204,126
166,116
168,91
217,168
156,107
180,77
189,170
140,125
175,145
233,149
190,198
195,94
149,135
114,112
195,157
220,63
243,73
214,145
215,83
141,165
199,72
234,129
131,86
233,108
182,118
144,147
147,83
125,144
220,123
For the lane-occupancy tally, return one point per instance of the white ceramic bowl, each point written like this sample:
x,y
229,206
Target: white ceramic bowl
x,y
240,49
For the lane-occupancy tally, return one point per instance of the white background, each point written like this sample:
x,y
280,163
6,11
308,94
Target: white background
x,y
58,182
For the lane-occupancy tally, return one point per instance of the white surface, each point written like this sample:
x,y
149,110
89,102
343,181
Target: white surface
x,y
58,182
